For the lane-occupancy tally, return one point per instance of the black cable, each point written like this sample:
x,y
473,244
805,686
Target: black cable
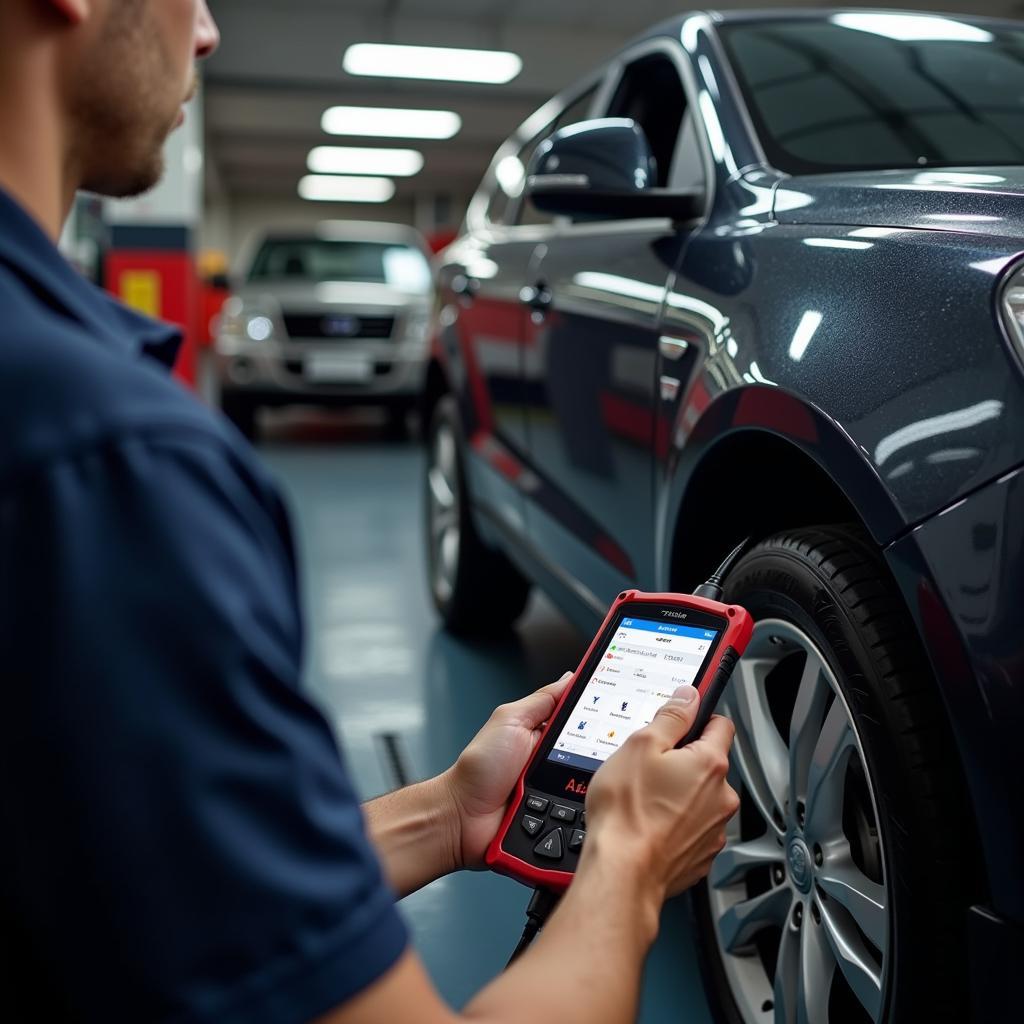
x,y
712,587
542,902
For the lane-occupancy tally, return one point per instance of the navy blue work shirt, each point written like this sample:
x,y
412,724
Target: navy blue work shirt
x,y
179,840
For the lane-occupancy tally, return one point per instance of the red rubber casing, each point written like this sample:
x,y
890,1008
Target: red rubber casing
x,y
736,636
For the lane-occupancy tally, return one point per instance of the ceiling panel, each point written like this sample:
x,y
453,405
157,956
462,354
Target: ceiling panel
x,y
279,68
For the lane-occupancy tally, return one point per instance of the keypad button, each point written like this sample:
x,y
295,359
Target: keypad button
x,y
562,813
537,803
583,819
576,839
550,846
531,825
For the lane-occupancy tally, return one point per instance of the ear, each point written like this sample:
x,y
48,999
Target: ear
x,y
74,12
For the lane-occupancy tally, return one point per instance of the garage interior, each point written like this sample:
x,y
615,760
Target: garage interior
x,y
403,695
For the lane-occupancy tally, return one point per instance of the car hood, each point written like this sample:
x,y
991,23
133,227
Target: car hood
x,y
348,295
977,200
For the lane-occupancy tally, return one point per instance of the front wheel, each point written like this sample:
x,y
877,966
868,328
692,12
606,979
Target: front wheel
x,y
838,898
475,589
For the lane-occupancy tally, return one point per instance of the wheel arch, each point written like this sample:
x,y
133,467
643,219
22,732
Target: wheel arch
x,y
800,469
798,466
787,488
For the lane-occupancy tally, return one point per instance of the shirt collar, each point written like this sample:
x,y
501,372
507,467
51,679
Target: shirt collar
x,y
26,249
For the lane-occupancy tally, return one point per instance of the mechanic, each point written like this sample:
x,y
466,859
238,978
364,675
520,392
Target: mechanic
x,y
181,841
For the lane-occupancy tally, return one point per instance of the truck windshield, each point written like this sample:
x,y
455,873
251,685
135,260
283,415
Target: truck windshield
x,y
316,259
872,90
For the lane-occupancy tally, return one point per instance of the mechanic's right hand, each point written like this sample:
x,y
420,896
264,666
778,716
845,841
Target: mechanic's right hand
x,y
665,808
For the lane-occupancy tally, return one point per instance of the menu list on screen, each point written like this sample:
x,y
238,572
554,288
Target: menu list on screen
x,y
637,672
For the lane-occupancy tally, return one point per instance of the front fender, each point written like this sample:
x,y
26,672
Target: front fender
x,y
723,459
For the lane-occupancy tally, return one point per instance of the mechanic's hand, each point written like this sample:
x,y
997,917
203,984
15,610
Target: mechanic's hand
x,y
482,779
665,808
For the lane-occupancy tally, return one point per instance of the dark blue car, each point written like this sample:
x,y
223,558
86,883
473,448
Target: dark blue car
x,y
760,275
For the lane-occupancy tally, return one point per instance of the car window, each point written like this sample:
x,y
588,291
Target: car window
x,y
865,90
651,93
577,111
317,259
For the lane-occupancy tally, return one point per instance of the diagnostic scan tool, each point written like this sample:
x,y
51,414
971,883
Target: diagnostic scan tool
x,y
649,645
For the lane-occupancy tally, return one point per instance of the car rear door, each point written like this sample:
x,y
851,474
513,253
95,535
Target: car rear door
x,y
591,354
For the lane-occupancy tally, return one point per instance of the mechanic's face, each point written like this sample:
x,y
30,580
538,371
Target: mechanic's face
x,y
136,70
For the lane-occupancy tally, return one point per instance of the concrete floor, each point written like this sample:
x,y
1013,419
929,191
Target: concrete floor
x,y
380,666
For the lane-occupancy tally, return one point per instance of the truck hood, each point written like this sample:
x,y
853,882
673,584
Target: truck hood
x,y
348,295
976,200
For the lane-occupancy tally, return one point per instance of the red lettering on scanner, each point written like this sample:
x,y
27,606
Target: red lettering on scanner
x,y
579,788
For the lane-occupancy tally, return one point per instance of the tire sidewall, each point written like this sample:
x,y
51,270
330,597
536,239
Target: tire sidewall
x,y
774,583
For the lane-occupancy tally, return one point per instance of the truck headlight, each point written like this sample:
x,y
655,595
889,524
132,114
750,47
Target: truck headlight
x,y
245,322
417,328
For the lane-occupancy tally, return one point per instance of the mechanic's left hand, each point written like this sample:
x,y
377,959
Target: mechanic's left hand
x,y
482,778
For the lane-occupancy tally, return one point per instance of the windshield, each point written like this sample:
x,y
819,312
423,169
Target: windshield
x,y
316,259
865,89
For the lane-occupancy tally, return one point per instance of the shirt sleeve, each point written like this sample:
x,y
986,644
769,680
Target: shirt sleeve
x,y
181,839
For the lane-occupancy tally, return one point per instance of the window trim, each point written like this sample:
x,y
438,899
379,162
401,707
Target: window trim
x,y
476,214
674,51
616,69
735,92
515,206
607,79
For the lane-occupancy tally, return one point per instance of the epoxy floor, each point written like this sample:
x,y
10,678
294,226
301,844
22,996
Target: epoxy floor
x,y
406,697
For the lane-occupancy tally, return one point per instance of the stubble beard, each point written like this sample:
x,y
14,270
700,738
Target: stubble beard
x,y
120,110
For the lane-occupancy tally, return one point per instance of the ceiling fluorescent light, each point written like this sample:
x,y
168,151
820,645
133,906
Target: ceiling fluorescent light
x,y
391,123
401,163
440,63
330,188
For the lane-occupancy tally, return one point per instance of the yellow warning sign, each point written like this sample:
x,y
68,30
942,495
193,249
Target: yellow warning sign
x,y
140,289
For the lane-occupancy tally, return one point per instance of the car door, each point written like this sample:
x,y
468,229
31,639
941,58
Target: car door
x,y
591,357
482,278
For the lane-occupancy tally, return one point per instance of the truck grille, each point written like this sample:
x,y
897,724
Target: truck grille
x,y
337,326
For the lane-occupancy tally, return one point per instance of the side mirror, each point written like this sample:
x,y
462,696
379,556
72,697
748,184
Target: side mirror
x,y
605,169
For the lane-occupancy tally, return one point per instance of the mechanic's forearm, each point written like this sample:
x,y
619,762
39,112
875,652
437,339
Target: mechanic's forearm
x,y
415,832
585,966
589,957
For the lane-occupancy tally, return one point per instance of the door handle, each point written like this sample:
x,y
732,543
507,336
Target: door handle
x,y
673,348
538,297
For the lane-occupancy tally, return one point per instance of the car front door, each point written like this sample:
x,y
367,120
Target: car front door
x,y
482,281
591,356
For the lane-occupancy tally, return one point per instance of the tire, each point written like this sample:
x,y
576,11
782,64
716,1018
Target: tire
x,y
475,589
888,820
241,411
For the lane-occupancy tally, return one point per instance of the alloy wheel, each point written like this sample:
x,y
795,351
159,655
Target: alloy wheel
x,y
799,902
444,520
